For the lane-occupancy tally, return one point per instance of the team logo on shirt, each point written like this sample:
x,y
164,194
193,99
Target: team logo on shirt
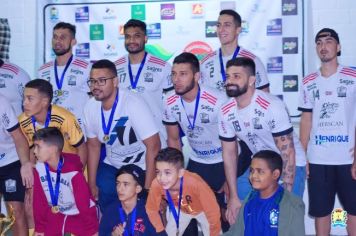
x,y
72,81
327,109
256,123
148,77
259,112
204,118
273,218
237,126
346,81
341,91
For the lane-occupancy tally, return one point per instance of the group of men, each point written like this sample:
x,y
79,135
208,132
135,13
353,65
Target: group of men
x,y
221,104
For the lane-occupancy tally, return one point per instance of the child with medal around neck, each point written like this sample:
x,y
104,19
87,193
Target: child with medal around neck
x,y
62,202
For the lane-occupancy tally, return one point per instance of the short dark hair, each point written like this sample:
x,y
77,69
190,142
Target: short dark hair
x,y
234,14
135,23
244,62
64,25
171,156
43,86
105,64
272,158
50,135
190,58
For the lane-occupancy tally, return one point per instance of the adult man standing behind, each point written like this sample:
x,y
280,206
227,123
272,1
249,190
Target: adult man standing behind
x,y
327,132
214,64
143,73
67,74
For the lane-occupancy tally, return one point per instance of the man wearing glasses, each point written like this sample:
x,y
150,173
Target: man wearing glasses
x,y
123,123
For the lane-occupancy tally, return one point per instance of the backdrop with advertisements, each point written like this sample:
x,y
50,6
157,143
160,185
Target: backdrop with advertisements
x,y
273,30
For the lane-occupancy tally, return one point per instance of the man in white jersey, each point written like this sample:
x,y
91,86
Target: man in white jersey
x,y
195,109
143,73
15,166
214,64
262,121
12,84
327,132
67,74
124,124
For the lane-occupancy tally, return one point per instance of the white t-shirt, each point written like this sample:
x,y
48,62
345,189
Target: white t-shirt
x,y
155,77
211,73
132,123
257,124
9,123
204,138
12,83
74,92
332,103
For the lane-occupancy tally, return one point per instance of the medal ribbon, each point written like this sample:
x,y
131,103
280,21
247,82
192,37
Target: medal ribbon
x,y
191,125
48,119
171,203
106,128
133,220
59,82
54,192
222,67
133,81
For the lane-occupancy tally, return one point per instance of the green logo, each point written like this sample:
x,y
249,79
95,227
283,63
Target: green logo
x,y
97,32
138,12
158,51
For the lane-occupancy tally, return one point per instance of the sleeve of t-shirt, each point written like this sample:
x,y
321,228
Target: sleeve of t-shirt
x,y
226,131
84,86
8,118
40,204
261,74
72,128
280,123
152,206
89,125
167,84
168,118
304,100
203,73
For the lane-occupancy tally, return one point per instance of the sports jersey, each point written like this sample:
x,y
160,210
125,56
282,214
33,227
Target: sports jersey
x,y
8,124
332,103
204,138
61,119
132,123
257,124
12,84
155,77
74,92
211,73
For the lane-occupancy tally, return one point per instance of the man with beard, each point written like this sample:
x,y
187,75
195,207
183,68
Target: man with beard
x,y
123,122
327,133
67,74
143,73
261,120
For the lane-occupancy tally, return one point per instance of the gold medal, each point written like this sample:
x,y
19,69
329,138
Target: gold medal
x,y
59,93
55,209
106,138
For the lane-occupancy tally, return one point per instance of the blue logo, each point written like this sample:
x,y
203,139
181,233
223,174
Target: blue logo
x,y
53,14
83,50
321,139
273,218
274,27
154,31
275,65
82,14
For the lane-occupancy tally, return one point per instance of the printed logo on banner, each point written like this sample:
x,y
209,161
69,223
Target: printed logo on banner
x,y
53,14
290,45
154,31
82,14
228,5
289,7
274,27
275,65
97,32
158,51
290,83
138,12
183,30
197,10
210,29
110,50
245,27
83,50
109,14
198,48
168,11
121,32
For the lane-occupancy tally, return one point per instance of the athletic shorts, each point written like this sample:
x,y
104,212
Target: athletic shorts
x,y
324,182
11,183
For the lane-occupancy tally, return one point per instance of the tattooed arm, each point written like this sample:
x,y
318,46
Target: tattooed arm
x,y
285,145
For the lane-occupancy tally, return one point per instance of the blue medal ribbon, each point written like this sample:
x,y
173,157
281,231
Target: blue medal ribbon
x,y
222,67
59,82
54,193
133,81
133,221
171,203
192,125
48,119
106,128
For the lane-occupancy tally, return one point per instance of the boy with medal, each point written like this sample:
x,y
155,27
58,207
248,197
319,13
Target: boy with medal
x,y
127,216
62,202
188,196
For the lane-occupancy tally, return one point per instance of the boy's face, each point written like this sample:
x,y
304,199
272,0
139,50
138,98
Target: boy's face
x,y
43,151
168,174
261,176
34,102
127,187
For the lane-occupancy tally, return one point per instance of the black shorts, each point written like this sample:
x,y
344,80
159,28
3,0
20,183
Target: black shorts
x,y
324,182
11,183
